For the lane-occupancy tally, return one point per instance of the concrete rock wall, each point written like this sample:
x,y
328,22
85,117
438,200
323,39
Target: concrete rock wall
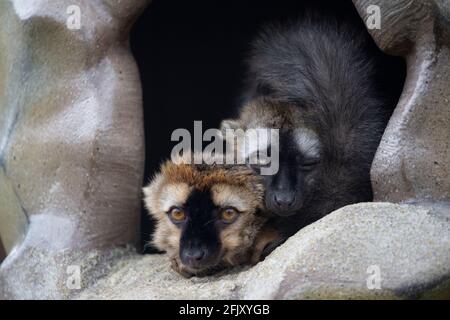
x,y
71,137
413,160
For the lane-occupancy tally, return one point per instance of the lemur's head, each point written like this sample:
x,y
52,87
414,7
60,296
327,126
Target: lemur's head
x,y
299,153
207,216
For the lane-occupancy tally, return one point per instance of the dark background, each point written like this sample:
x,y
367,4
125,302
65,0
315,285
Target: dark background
x,y
2,252
191,56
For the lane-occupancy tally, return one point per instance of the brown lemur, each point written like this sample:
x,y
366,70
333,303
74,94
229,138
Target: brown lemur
x,y
208,216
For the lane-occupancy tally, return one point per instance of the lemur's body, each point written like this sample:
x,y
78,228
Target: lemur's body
x,y
314,80
207,216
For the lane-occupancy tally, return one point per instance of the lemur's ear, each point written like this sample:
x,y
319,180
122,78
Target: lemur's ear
x,y
151,194
229,124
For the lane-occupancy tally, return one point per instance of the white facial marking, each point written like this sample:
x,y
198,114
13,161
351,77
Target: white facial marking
x,y
308,142
227,196
174,195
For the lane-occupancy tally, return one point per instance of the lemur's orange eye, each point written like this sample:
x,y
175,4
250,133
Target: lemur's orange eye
x,y
177,214
229,215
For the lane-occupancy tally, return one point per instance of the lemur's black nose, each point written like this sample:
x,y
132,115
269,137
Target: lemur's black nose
x,y
284,199
283,203
193,256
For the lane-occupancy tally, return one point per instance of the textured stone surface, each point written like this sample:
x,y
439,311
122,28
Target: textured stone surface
x,y
413,160
2,252
71,137
328,259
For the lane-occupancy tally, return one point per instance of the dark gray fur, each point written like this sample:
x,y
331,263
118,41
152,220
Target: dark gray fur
x,y
329,70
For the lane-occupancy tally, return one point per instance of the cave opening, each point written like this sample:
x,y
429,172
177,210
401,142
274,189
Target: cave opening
x,y
191,57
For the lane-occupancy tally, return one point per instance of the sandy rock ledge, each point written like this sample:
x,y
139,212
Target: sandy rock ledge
x,y
336,257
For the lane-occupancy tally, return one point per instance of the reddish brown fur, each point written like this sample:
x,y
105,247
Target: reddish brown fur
x,y
237,239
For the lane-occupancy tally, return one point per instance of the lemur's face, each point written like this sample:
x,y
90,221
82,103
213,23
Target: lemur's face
x,y
287,190
299,154
206,217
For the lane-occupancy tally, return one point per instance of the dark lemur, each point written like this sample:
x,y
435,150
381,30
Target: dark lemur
x,y
315,81
208,217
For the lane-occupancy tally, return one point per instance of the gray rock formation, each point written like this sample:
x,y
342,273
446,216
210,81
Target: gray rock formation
x,y
338,257
413,160
71,136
